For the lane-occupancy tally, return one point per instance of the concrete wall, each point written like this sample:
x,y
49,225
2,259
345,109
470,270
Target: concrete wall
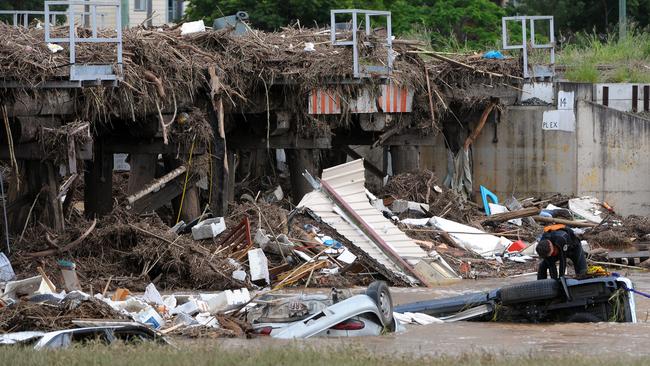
x,y
613,163
607,155
526,160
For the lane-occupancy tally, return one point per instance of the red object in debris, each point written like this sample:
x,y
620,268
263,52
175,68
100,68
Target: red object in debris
x,y
465,268
516,246
350,324
265,331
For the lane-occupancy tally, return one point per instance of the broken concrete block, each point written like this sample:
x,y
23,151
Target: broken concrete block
x,y
209,228
259,266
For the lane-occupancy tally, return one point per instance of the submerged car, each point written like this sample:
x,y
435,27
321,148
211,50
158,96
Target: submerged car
x,y
598,299
64,338
305,316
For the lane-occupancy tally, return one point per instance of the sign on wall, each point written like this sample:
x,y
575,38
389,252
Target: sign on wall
x,y
559,120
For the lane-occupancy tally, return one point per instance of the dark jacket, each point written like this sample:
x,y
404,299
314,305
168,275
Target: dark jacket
x,y
568,246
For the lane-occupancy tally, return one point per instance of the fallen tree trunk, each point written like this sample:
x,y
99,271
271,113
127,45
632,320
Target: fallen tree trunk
x,y
553,220
505,216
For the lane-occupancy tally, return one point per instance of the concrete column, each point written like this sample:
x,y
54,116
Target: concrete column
x,y
299,161
404,159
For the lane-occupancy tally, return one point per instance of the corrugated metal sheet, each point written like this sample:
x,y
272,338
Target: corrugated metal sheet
x,y
348,181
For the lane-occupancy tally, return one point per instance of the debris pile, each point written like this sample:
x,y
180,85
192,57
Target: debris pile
x,y
164,70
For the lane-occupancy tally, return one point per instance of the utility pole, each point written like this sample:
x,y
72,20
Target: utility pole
x,y
622,19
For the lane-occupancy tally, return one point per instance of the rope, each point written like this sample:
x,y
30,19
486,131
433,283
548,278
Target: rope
x,y
631,289
187,176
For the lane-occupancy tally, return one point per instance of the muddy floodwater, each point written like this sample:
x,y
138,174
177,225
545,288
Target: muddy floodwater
x,y
497,338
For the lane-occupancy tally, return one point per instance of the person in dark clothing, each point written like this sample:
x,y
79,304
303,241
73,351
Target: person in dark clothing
x,y
558,244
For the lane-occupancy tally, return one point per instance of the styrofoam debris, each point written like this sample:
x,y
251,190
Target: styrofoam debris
x,y
226,300
207,320
192,27
309,47
239,275
259,266
54,48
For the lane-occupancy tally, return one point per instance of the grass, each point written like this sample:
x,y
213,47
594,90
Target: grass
x,y
591,58
149,355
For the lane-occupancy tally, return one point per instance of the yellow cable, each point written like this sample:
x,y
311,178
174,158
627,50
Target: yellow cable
x,y
187,177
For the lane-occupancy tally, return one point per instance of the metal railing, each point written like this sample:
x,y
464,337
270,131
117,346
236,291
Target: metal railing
x,y
367,70
22,17
525,21
87,72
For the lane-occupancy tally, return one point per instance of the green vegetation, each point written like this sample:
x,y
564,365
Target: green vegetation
x,y
472,22
592,59
148,355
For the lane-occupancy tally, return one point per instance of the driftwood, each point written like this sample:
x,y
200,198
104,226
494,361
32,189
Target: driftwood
x,y
553,220
470,139
505,216
72,245
149,76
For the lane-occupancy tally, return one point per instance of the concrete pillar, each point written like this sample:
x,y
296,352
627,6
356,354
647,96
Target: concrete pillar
x,y
98,184
404,159
299,161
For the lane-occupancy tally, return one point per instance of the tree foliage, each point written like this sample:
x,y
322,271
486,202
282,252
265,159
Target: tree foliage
x,y
22,4
573,16
476,22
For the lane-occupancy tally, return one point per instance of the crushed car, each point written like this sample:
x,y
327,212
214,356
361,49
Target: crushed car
x,y
129,333
601,299
304,316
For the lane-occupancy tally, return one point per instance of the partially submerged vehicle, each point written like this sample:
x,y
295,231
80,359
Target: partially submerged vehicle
x,y
598,299
130,333
307,316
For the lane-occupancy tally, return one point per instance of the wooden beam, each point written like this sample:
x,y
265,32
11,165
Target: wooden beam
x,y
166,193
553,220
140,146
505,216
287,141
34,151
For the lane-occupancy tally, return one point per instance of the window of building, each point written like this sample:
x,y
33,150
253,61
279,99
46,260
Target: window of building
x,y
140,5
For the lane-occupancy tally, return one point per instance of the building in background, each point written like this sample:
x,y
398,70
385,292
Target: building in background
x,y
133,13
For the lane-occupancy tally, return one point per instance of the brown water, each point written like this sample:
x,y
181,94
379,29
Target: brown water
x,y
497,338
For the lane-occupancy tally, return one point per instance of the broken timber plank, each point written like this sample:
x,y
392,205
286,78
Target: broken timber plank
x,y
553,220
156,184
505,216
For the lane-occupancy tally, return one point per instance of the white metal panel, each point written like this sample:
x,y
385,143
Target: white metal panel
x,y
348,181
